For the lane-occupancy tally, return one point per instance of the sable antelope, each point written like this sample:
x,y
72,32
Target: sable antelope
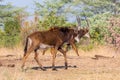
x,y
75,36
69,34
80,32
54,39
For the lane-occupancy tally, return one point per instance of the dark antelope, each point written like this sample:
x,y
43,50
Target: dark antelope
x,y
54,39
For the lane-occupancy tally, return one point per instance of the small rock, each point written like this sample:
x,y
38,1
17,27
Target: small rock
x,y
11,65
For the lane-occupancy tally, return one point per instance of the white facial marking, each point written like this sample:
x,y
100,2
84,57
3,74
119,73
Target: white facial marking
x,y
87,35
77,38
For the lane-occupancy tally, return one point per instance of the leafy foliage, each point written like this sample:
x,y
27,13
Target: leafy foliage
x,y
102,6
12,27
10,37
7,12
50,21
52,14
114,32
98,28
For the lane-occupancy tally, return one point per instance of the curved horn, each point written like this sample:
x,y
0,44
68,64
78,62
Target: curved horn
x,y
88,34
79,22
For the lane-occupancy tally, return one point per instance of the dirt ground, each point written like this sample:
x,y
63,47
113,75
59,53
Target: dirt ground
x,y
97,64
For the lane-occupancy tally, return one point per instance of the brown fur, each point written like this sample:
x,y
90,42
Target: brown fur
x,y
55,38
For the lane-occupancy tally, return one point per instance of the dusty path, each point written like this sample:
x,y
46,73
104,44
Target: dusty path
x,y
85,67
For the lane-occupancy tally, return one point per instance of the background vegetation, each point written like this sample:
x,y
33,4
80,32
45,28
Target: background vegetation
x,y
103,16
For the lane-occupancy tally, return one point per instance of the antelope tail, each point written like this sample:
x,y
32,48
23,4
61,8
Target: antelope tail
x,y
26,45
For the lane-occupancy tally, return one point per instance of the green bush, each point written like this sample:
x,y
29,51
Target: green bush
x,y
98,28
87,47
12,27
52,20
10,37
2,38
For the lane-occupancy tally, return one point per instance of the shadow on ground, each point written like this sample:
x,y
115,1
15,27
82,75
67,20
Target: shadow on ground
x,y
57,67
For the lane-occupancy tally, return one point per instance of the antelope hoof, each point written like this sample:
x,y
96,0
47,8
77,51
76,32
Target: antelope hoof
x,y
66,68
43,69
66,65
54,69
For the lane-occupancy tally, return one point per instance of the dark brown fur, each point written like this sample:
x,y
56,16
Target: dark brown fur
x,y
55,38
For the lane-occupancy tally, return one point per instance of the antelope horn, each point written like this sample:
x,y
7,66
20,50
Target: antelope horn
x,y
88,34
78,21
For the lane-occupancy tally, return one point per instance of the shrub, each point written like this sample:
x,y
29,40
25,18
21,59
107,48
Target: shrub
x,y
10,37
99,28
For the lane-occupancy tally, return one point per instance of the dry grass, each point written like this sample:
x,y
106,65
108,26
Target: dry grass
x,y
88,68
